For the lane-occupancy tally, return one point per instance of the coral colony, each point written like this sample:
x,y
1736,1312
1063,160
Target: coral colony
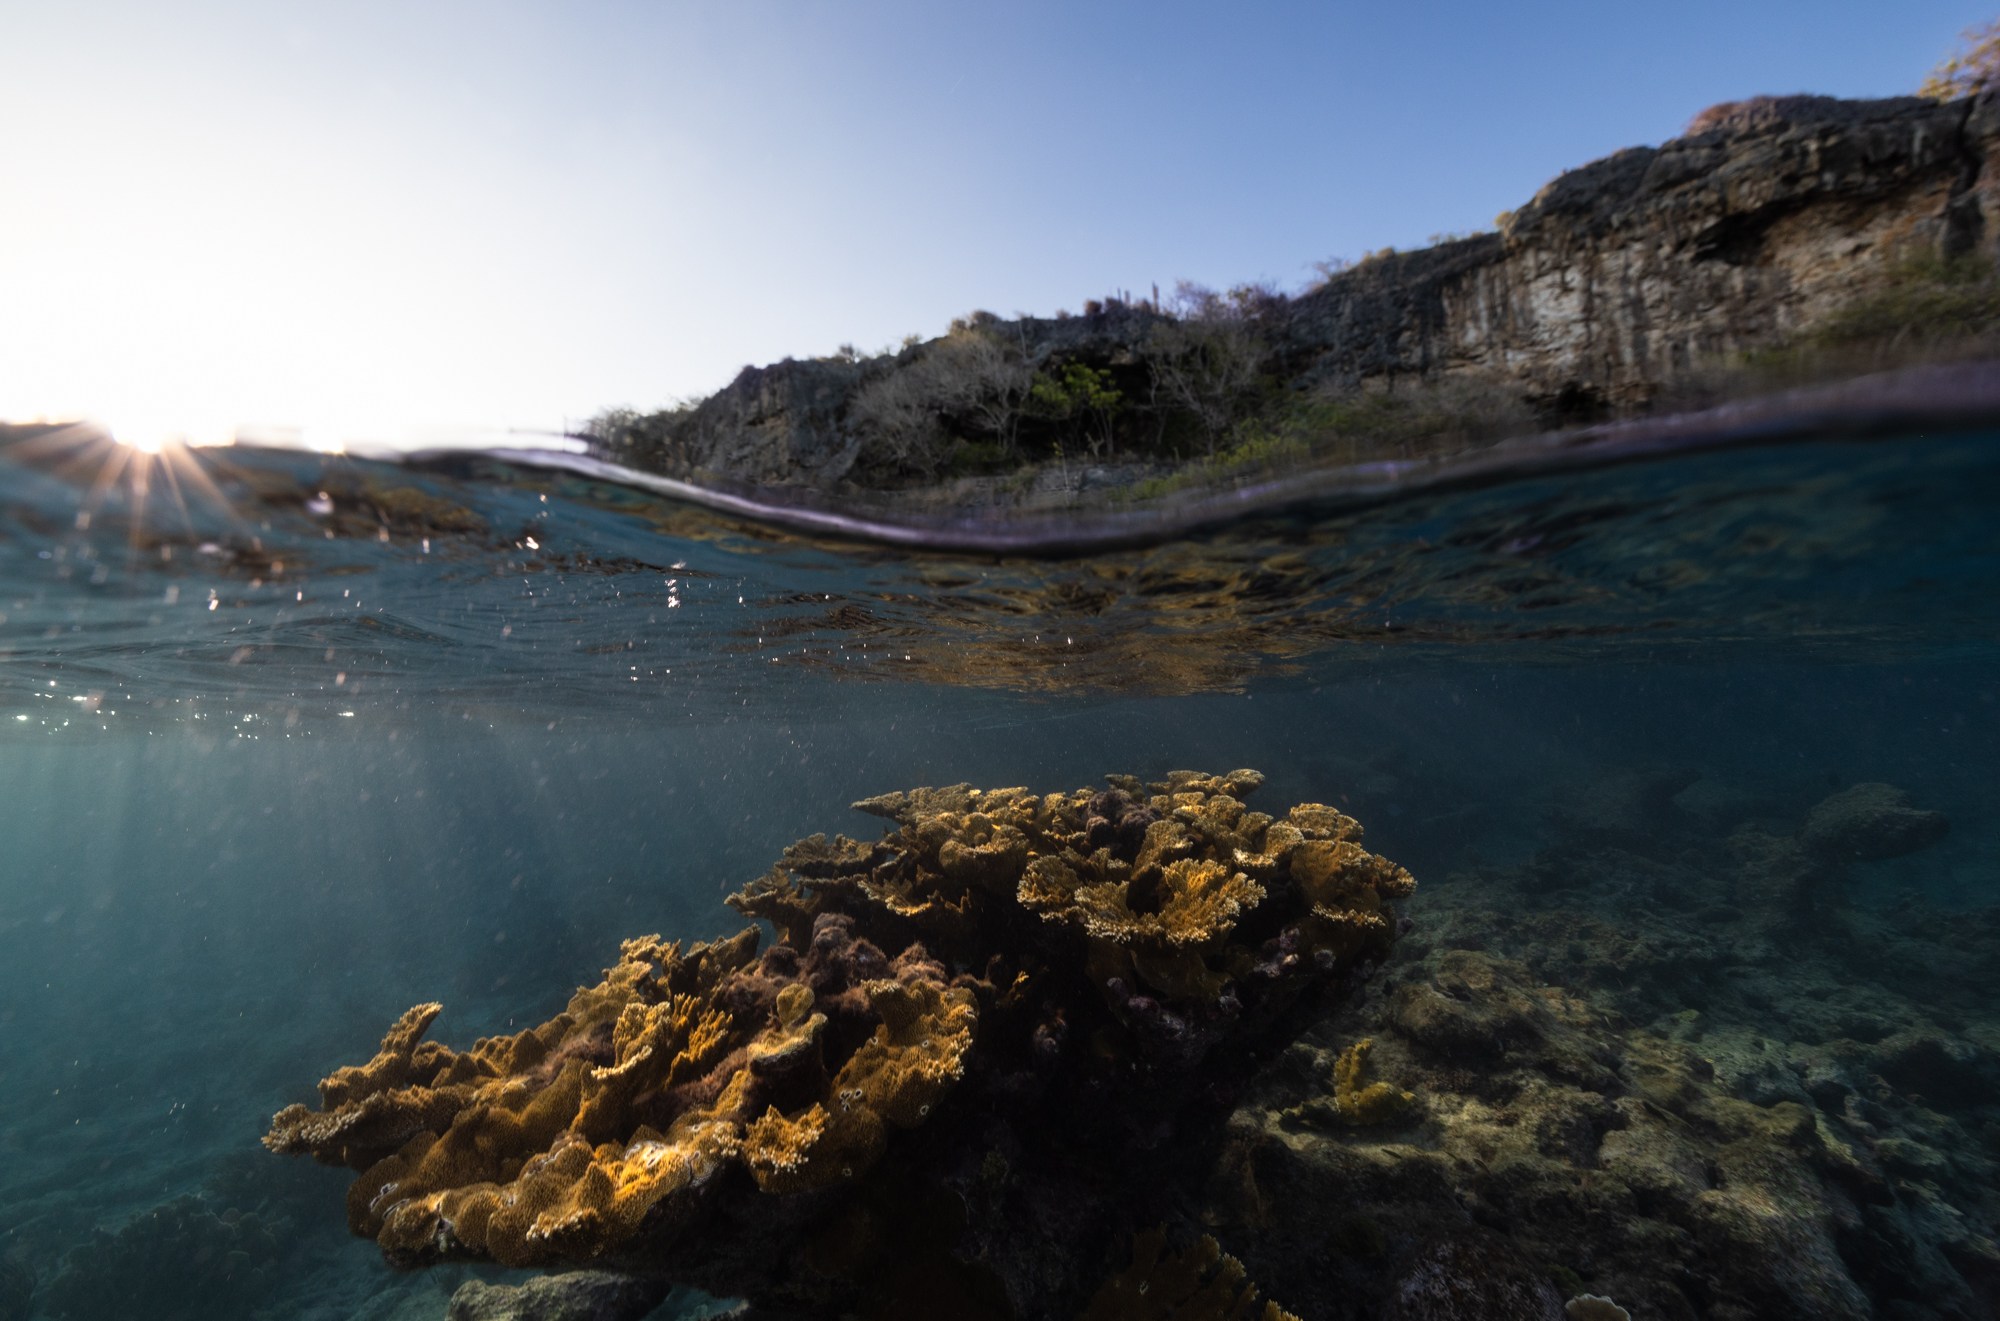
x,y
962,1031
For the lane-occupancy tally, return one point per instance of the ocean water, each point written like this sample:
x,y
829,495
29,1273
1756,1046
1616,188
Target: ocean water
x,y
290,743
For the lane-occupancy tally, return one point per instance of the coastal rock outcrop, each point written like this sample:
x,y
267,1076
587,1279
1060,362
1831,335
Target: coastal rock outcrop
x,y
1622,286
1630,274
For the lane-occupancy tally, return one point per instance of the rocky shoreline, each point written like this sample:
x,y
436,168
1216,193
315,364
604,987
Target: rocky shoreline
x,y
1790,241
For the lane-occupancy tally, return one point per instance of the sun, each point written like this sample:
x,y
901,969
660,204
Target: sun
x,y
150,435
150,469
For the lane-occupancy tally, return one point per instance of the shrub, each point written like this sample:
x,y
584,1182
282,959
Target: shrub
x,y
1081,396
1260,452
1434,416
657,441
972,379
1926,301
610,432
1206,365
1974,68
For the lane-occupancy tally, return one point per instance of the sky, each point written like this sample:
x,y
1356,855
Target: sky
x,y
418,222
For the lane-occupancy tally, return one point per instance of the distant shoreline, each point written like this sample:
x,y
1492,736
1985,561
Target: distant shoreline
x,y
1922,400
1783,242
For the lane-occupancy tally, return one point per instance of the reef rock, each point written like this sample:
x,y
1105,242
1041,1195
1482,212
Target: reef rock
x,y
184,1258
1468,1276
1870,822
1635,1085
17,1288
966,1034
570,1296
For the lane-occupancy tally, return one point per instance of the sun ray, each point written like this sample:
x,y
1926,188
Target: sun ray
x,y
193,467
168,471
162,472
110,469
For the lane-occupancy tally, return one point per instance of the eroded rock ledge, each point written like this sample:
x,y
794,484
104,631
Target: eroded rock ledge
x,y
1623,287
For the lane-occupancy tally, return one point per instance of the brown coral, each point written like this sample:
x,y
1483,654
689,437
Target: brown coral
x,y
707,1110
1203,1283
558,1144
1156,879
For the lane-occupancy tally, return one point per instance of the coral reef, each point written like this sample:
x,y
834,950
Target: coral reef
x,y
1203,1283
1815,1141
959,1027
185,1259
1353,1102
1364,1104
557,1143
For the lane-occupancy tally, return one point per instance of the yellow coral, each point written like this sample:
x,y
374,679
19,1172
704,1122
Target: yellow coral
x,y
1350,892
789,1154
1365,1106
917,1053
558,1162
1176,909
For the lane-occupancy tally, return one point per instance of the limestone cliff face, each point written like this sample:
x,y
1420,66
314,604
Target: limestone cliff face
x,y
1626,275
782,423
1617,282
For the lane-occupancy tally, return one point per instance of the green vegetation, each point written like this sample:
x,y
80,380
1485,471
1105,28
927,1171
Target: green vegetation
x,y
1257,455
1925,302
1080,398
1923,308
1201,386
1337,426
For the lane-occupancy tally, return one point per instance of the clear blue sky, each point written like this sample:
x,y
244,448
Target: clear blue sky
x,y
373,217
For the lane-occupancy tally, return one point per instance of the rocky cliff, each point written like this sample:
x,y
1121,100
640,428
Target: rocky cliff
x,y
1623,277
1615,286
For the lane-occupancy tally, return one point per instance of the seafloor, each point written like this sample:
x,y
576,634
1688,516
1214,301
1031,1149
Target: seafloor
x,y
1697,1009
1715,1047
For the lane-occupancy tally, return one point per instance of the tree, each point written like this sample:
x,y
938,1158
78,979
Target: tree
x,y
971,376
1973,69
1206,360
1082,395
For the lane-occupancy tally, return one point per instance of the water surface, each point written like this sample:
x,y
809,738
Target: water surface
x,y
294,742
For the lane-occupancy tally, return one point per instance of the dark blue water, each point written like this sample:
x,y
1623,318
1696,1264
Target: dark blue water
x,y
293,743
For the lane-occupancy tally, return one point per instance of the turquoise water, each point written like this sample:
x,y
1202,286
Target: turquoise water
x,y
296,742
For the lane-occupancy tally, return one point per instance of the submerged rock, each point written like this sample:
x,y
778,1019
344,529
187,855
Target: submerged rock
x,y
1870,822
1470,1277
571,1296
185,1258
1812,1141
17,1289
